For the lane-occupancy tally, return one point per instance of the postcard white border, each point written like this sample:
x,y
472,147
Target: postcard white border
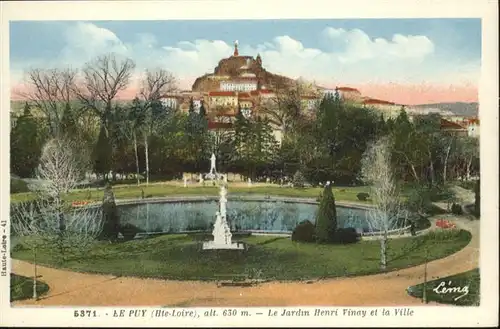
x,y
485,315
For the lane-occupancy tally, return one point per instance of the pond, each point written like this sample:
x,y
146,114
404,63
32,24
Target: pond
x,y
268,216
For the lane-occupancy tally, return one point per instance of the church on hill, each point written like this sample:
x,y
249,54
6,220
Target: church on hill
x,y
241,83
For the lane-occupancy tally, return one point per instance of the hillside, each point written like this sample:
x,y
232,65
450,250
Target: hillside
x,y
231,67
457,108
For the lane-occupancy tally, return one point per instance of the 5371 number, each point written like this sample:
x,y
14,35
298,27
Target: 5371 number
x,y
85,314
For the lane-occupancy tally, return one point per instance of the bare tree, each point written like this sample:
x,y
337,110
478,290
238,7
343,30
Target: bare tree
x,y
448,140
59,172
285,108
38,223
156,84
387,207
470,152
50,91
103,78
128,127
48,222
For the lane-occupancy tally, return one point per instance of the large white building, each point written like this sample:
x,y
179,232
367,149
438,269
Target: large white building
x,y
170,102
241,84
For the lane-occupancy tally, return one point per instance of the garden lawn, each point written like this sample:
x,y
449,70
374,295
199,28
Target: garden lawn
x,y
160,190
21,287
470,279
179,256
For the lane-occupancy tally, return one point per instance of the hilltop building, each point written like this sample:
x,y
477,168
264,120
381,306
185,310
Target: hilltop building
x,y
240,83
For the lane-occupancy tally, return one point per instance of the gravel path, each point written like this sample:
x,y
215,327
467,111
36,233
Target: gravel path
x,y
79,289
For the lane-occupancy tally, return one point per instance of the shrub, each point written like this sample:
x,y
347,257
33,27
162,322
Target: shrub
x,y
19,247
129,231
456,209
449,234
18,186
298,179
363,196
437,193
326,216
419,201
346,235
303,232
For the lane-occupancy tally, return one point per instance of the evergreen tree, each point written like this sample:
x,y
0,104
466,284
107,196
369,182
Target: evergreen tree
x,y
381,126
102,154
25,145
110,216
326,216
68,123
191,106
197,139
203,111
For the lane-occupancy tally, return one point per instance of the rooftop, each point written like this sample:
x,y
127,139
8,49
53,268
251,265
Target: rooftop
x,y
447,124
373,101
347,89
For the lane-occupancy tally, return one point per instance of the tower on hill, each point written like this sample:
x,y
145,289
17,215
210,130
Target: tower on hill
x,y
236,49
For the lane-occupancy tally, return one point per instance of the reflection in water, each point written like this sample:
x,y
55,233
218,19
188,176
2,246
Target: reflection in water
x,y
270,216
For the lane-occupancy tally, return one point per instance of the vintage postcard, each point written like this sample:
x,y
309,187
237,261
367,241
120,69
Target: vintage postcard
x,y
238,163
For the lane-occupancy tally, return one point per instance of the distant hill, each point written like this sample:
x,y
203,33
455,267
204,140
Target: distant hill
x,y
458,108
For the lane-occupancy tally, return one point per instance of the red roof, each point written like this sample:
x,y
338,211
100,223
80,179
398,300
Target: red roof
x,y
261,91
447,124
472,121
347,89
219,125
373,101
221,93
243,95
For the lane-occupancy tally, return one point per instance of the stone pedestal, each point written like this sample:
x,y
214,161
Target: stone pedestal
x,y
221,232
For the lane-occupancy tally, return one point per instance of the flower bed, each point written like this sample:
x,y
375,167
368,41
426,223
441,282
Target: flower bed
x,y
79,203
443,223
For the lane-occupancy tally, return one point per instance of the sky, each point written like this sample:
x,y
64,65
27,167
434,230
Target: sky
x,y
407,61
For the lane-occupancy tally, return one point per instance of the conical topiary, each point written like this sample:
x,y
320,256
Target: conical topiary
x,y
326,216
110,217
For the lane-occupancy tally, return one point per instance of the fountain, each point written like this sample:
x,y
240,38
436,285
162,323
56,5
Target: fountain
x,y
221,231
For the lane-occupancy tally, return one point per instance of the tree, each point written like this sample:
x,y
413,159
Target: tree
x,y
58,173
326,216
103,78
50,91
468,153
129,121
431,138
450,143
285,109
25,145
155,85
110,216
69,127
48,222
254,143
387,208
101,155
203,111
197,138
38,223
342,132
